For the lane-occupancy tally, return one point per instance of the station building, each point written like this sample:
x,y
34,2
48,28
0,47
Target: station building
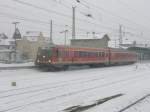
x,y
94,43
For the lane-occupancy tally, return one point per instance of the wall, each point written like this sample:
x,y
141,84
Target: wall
x,y
95,43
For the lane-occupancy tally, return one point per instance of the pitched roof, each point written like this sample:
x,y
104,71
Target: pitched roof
x,y
3,36
17,34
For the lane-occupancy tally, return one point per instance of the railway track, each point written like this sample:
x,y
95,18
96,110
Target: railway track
x,y
66,94
58,83
80,108
50,86
134,103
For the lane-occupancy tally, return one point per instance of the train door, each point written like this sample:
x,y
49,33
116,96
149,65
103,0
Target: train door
x,y
54,54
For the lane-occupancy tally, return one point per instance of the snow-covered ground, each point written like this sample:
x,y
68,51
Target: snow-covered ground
x,y
39,91
17,64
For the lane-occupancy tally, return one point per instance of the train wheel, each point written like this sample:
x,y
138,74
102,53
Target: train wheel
x,y
65,67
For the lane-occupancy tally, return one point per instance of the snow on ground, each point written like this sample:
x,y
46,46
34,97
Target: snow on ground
x,y
17,64
39,91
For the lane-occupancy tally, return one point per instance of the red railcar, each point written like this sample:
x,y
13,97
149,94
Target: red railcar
x,y
63,56
121,56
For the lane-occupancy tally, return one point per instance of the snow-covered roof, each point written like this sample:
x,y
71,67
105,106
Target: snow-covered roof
x,y
3,36
32,36
6,50
6,41
97,37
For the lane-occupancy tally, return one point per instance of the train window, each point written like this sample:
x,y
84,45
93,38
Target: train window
x,y
82,54
87,54
100,54
91,54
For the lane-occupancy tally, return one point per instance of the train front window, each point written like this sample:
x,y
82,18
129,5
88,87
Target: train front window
x,y
44,52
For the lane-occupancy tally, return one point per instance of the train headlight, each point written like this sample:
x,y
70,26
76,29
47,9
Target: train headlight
x,y
38,61
43,56
49,61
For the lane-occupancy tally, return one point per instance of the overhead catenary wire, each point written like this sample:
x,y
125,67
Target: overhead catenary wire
x,y
27,19
114,15
61,14
131,28
35,21
81,20
106,27
132,9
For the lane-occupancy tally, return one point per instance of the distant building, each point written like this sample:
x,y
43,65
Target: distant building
x,y
3,36
17,34
94,43
143,53
6,49
29,44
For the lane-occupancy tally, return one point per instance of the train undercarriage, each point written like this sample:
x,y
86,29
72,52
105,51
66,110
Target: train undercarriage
x,y
64,67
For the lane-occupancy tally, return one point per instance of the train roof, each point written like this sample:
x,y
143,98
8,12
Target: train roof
x,y
85,48
89,48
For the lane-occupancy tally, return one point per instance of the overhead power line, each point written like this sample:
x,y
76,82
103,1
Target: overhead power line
x,y
61,14
35,21
44,9
132,9
94,18
27,19
114,15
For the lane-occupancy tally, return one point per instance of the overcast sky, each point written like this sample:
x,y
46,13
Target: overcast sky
x,y
107,15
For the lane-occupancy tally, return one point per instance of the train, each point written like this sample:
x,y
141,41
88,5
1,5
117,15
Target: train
x,y
59,57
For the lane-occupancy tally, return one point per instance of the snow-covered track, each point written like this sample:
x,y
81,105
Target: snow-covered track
x,y
67,94
15,68
41,87
134,103
80,108
52,86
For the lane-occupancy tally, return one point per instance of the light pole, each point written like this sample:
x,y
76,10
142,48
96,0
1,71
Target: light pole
x,y
87,34
115,41
120,36
51,32
15,24
65,36
93,34
73,23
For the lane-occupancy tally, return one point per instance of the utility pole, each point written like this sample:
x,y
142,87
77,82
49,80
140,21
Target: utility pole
x,y
65,32
120,36
15,24
87,34
115,43
93,34
141,53
51,32
73,23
